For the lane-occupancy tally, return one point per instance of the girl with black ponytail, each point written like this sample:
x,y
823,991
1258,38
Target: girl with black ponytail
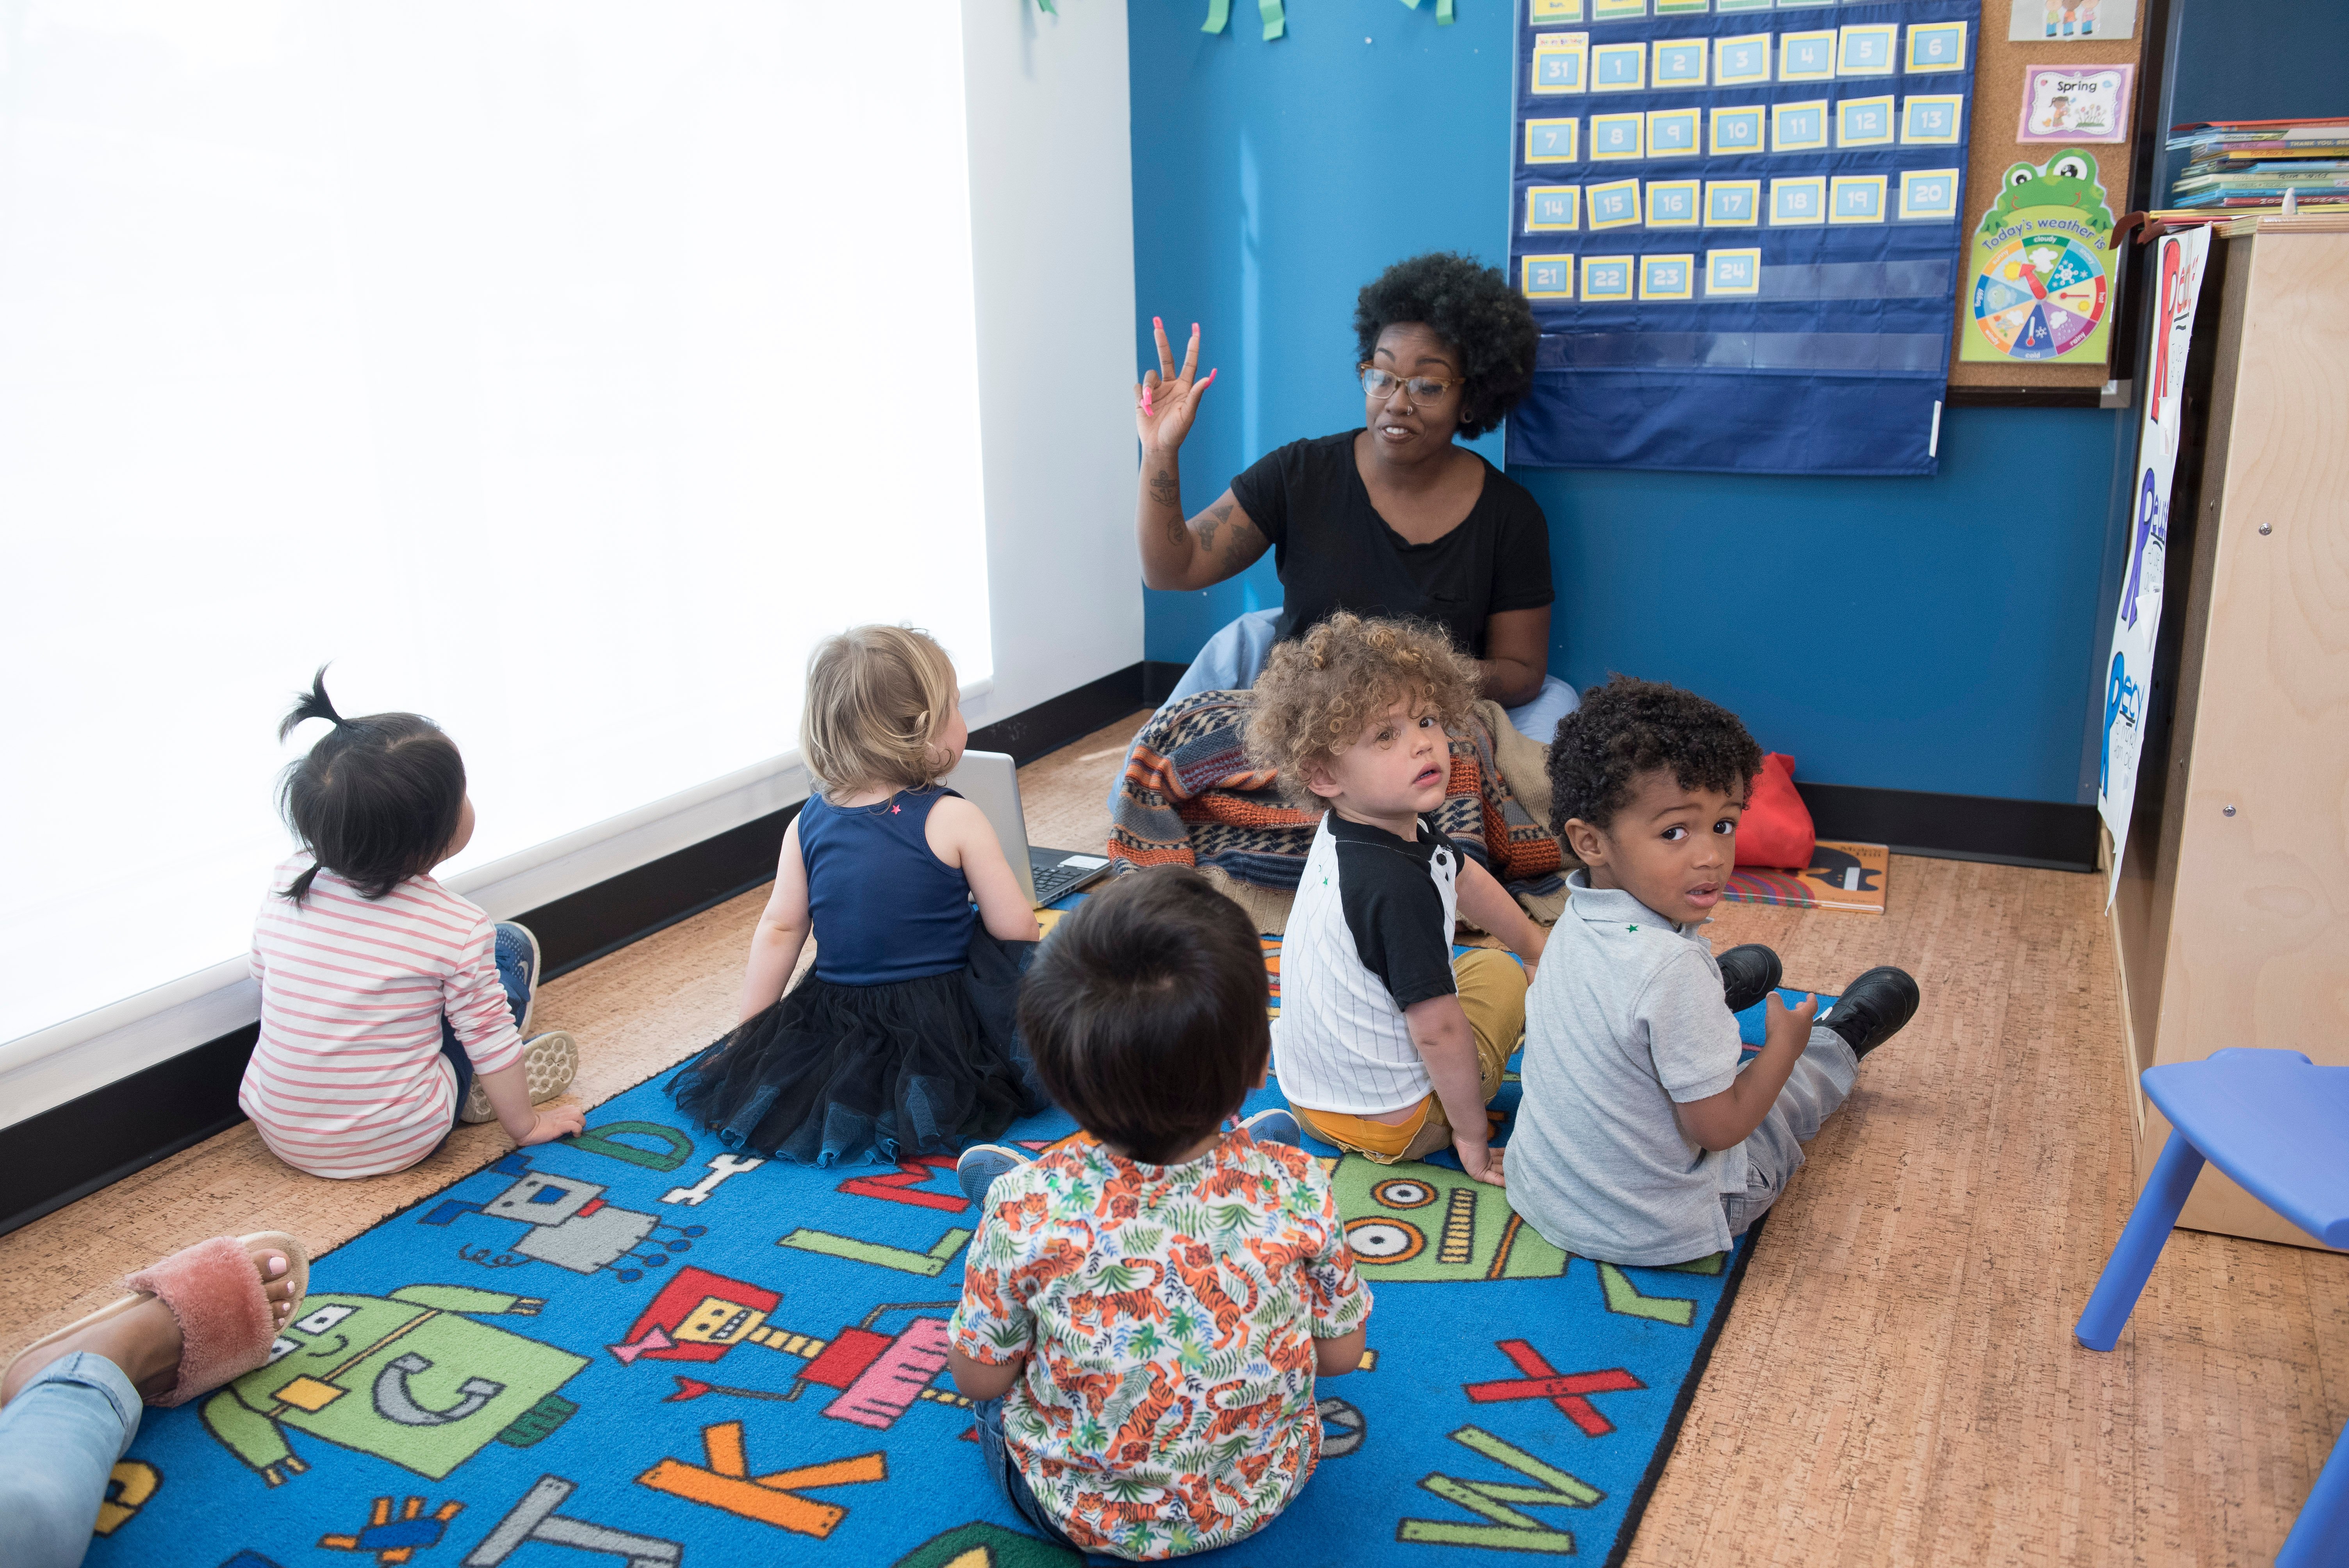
x,y
391,1007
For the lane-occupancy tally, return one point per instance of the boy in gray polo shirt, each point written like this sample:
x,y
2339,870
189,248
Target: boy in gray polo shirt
x,y
1639,1140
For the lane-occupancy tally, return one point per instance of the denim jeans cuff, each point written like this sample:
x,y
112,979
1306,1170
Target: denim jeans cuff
x,y
94,1371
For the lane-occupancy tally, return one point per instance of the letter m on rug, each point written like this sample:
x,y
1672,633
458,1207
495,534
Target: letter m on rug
x,y
1499,1501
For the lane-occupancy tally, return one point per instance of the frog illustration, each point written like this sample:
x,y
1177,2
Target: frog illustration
x,y
2067,180
402,1376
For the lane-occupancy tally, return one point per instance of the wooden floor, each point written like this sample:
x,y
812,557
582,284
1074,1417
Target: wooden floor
x,y
1896,1382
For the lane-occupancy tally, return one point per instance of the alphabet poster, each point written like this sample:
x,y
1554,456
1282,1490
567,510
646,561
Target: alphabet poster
x,y
2178,264
1738,224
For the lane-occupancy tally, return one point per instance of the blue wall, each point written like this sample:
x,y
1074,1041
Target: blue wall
x,y
2288,66
1937,634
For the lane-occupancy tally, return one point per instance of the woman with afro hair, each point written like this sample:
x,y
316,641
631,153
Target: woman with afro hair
x,y
1391,518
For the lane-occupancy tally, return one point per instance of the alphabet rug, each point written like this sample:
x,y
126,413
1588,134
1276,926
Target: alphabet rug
x,y
637,1346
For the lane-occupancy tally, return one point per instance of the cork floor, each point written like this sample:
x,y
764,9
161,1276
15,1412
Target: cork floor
x,y
1897,1383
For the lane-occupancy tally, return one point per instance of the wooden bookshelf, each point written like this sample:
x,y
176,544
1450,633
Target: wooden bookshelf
x,y
2232,921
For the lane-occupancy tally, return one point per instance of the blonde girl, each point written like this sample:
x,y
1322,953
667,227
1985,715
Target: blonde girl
x,y
901,1041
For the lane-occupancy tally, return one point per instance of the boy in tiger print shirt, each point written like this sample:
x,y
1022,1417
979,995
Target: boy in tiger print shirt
x,y
1146,1306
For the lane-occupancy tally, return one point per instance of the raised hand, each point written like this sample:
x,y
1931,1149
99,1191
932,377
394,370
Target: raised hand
x,y
1165,403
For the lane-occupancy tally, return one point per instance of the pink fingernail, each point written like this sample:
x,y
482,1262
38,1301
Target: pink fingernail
x,y
1194,329
1155,322
1145,399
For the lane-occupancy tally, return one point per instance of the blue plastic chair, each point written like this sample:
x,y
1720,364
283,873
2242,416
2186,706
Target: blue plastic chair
x,y
2279,1125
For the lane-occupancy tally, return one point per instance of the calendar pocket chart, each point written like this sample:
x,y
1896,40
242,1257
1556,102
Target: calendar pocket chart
x,y
1737,225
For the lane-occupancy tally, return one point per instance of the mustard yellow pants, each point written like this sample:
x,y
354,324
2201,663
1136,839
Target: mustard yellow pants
x,y
1493,993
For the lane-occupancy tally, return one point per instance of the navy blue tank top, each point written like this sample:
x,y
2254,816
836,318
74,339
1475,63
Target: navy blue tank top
x,y
884,908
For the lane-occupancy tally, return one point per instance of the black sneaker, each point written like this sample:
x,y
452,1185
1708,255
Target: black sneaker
x,y
1873,1009
1748,973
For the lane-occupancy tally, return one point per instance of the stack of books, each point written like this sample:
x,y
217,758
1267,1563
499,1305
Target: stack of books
x,y
2248,167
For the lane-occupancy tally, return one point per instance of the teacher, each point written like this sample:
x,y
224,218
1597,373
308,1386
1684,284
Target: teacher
x,y
1394,518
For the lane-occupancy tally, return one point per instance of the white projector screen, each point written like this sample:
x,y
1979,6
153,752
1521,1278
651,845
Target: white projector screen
x,y
560,370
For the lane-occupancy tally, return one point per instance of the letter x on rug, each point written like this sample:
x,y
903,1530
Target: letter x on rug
x,y
637,1346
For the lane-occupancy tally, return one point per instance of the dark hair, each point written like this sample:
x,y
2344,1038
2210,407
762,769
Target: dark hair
x,y
1627,727
1473,310
376,800
1145,1012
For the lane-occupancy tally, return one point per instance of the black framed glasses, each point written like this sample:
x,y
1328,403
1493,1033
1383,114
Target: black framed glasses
x,y
1378,383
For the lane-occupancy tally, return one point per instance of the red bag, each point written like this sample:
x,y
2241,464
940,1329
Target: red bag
x,y
1777,828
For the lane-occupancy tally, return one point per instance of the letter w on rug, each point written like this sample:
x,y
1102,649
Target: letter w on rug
x,y
1509,1530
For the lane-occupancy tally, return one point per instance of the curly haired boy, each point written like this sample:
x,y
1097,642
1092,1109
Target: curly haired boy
x,y
1385,1045
1638,1140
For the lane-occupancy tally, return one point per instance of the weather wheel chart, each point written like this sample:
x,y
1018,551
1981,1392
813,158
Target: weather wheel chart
x,y
1738,225
2041,296
641,1346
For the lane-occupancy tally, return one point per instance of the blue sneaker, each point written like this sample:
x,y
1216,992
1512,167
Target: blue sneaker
x,y
516,949
978,1167
1275,1126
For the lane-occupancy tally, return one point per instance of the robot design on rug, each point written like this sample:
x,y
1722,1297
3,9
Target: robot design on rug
x,y
567,1224
408,1378
701,1316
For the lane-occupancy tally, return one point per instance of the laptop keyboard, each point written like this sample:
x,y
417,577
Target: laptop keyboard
x,y
1062,877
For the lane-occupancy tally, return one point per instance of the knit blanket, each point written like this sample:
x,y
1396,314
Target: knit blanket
x,y
1190,797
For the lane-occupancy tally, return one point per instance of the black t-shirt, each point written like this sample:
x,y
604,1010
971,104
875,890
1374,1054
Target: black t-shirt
x,y
1391,892
1334,552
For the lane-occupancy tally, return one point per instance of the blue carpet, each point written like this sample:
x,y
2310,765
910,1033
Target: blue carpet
x,y
505,1374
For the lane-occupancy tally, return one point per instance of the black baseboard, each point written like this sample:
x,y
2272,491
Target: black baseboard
x,y
1158,678
1048,726
2049,834
71,1151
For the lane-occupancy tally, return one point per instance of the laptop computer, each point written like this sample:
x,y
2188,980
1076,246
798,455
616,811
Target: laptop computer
x,y
991,781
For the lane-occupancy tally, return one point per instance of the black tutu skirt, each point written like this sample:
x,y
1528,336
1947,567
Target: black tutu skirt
x,y
833,1074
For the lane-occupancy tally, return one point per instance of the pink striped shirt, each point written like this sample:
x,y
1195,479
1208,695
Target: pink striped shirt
x,y
348,1078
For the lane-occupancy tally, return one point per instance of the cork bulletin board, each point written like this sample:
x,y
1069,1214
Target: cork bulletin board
x,y
1998,81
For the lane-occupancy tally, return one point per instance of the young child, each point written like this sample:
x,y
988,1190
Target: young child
x,y
390,1007
1146,1306
1639,1140
902,1042
1387,1046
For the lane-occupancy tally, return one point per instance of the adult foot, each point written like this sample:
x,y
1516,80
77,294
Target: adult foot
x,y
1873,1009
1748,973
979,1165
144,1340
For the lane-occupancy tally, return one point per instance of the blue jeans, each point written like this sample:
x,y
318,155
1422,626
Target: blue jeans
x,y
58,1440
513,954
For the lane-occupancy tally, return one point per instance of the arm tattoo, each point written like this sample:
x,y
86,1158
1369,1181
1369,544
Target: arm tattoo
x,y
1164,491
1215,519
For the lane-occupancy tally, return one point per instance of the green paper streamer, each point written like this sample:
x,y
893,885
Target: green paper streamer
x,y
1443,13
1219,13
1276,21
1046,7
1415,3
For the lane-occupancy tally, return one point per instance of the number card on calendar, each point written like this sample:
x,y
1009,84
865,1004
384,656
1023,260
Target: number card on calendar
x,y
1737,225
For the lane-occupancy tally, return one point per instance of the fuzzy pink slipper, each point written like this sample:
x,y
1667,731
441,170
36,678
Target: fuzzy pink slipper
x,y
226,1322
